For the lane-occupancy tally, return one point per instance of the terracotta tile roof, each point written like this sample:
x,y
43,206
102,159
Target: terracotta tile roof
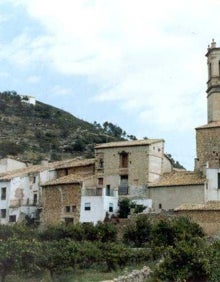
x,y
210,125
75,163
68,179
212,205
49,166
128,143
179,178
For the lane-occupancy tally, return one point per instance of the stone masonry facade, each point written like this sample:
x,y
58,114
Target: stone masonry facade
x,y
62,203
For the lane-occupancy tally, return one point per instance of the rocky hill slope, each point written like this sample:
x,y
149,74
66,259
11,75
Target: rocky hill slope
x,y
35,132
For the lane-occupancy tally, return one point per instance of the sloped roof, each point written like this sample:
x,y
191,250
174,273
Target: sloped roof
x,y
68,179
75,163
212,205
209,125
128,143
178,178
49,166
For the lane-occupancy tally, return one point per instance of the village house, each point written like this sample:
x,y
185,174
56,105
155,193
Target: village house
x,y
21,194
76,198
130,166
175,188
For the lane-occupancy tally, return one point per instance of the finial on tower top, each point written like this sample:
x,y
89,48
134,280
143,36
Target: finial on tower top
x,y
213,44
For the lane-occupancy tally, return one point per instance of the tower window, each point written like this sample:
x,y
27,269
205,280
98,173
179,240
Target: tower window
x,y
210,70
218,180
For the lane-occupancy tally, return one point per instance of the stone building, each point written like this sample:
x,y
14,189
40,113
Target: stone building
x,y
130,166
208,136
175,188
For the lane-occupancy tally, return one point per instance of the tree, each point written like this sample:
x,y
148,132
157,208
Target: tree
x,y
17,255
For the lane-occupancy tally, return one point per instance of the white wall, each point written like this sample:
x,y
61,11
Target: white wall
x,y
99,207
10,164
212,191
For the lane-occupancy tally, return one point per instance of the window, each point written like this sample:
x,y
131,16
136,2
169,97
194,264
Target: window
x,y
67,208
108,189
87,207
210,70
110,209
101,163
73,208
35,199
34,179
100,181
3,193
123,187
160,206
3,213
12,218
68,220
124,159
218,180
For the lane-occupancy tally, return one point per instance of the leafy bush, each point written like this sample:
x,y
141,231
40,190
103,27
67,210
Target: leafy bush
x,y
139,232
187,261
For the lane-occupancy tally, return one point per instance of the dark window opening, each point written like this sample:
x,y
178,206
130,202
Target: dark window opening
x,y
110,207
35,199
68,220
160,206
67,208
108,190
210,70
34,179
87,207
66,171
3,213
101,163
12,218
218,180
3,193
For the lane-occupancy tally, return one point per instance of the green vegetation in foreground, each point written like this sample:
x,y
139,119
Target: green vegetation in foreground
x,y
175,248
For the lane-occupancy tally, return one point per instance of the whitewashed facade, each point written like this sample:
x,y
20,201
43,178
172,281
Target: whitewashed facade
x,y
98,203
20,193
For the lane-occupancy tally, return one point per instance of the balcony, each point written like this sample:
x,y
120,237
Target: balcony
x,y
123,189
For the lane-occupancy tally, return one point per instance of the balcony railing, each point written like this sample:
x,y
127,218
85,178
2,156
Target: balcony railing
x,y
123,189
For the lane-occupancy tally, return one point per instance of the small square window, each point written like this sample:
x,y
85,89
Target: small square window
x,y
67,208
12,218
3,213
87,207
110,209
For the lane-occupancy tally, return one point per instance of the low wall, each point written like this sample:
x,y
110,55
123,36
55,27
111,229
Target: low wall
x,y
136,275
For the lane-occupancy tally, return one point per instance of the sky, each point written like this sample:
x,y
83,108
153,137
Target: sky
x,y
139,64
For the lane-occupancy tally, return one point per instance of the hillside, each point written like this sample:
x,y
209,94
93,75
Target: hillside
x,y
35,132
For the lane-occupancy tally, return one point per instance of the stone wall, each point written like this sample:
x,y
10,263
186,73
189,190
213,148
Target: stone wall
x,y
134,276
170,197
208,146
56,199
209,220
82,170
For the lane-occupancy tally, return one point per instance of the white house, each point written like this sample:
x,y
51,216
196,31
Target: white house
x,y
97,203
20,192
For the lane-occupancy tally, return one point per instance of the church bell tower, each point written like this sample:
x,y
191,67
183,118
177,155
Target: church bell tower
x,y
208,135
213,83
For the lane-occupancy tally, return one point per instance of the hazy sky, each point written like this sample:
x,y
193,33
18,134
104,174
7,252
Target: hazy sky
x,y
137,63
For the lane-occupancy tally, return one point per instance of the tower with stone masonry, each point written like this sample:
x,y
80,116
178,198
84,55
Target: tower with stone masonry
x,y
208,136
